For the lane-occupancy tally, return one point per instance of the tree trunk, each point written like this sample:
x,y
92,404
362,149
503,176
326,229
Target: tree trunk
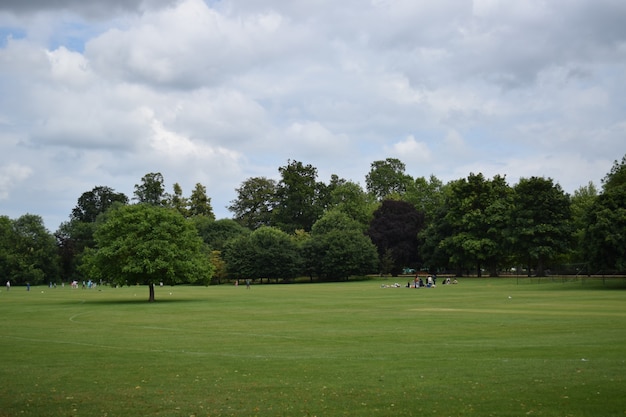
x,y
151,287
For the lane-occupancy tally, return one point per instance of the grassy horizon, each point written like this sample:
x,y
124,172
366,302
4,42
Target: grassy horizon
x,y
485,347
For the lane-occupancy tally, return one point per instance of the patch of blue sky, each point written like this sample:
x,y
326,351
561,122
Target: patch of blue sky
x,y
7,33
73,35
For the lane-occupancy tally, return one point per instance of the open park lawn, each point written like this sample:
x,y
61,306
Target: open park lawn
x,y
484,347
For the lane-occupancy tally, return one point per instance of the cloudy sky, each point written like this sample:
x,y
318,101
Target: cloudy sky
x,y
99,93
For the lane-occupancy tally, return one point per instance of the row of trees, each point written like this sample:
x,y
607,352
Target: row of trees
x,y
299,225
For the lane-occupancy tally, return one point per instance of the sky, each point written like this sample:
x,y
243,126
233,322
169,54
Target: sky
x,y
96,93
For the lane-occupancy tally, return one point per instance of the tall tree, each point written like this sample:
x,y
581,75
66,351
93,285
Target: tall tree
x,y
394,230
581,203
151,190
77,234
605,235
541,222
200,202
267,252
254,203
178,202
387,178
426,195
144,244
216,233
298,203
28,252
477,213
349,198
338,248
91,203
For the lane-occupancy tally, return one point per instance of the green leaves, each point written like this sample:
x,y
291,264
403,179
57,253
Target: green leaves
x,y
147,244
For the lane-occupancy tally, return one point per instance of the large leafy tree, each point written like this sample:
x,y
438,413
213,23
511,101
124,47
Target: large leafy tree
x,y
348,197
216,233
387,178
254,203
28,251
581,203
146,244
76,234
338,248
540,222
605,235
151,190
267,252
298,203
394,230
91,203
426,195
476,217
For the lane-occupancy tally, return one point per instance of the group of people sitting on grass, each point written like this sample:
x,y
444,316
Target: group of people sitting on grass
x,y
431,282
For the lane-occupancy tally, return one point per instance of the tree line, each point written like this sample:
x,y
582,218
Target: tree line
x,y
300,226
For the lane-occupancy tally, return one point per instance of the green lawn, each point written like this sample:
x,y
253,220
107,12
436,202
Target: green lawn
x,y
484,347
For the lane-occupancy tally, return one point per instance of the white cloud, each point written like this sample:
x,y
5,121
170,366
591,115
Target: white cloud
x,y
215,92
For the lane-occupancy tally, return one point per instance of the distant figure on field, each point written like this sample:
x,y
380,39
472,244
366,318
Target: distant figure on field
x,y
248,284
8,285
28,286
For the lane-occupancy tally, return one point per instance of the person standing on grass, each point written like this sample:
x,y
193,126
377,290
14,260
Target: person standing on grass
x,y
247,284
8,285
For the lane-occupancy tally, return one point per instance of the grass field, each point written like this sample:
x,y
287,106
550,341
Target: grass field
x,y
485,347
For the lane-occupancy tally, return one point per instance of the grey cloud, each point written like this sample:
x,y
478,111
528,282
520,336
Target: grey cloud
x,y
87,8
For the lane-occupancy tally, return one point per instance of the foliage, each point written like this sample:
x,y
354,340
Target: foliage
x,y
541,222
254,203
91,203
387,178
151,190
28,251
215,233
605,235
475,218
338,248
395,228
267,252
348,197
200,202
298,203
425,195
580,204
146,244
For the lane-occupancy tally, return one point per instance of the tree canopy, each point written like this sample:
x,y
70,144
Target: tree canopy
x,y
147,244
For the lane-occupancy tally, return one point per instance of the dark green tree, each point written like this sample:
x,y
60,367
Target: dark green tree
x,y
349,198
200,203
146,244
581,203
28,251
338,248
540,222
267,252
91,203
178,202
254,203
151,190
76,234
298,203
215,233
476,217
605,235
387,178
426,195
